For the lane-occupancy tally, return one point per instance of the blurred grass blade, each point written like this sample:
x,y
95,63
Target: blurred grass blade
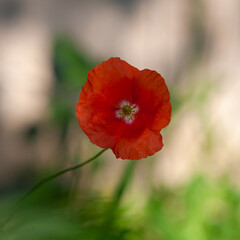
x,y
124,181
111,214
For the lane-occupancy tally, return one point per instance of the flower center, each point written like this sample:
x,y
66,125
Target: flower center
x,y
126,111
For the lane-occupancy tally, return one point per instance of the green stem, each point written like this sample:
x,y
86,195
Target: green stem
x,y
45,180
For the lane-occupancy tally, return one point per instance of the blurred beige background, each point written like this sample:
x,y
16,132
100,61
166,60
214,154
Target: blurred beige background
x,y
195,45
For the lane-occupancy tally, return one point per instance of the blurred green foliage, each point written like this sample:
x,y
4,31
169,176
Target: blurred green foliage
x,y
71,64
199,210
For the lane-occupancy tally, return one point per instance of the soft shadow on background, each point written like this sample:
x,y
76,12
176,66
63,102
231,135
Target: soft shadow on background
x,y
190,189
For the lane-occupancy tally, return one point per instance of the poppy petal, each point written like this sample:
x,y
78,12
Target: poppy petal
x,y
145,145
152,96
96,118
113,79
162,117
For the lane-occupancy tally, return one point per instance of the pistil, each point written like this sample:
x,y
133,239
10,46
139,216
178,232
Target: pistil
x,y
127,111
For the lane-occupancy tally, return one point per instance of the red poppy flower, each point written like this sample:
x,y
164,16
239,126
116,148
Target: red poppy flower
x,y
123,108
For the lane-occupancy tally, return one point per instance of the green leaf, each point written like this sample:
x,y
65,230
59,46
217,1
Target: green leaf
x,y
71,65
